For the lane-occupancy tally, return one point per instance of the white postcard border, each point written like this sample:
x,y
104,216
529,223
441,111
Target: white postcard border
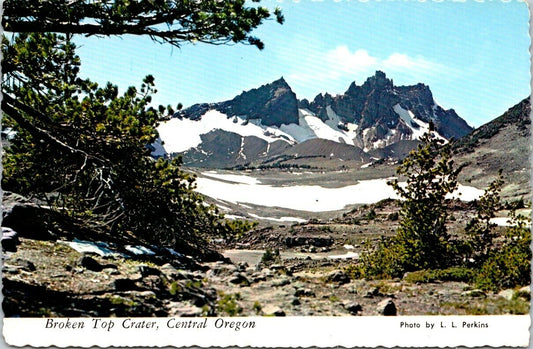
x,y
368,331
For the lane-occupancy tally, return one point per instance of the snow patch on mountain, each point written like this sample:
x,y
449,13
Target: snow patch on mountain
x,y
181,134
416,125
311,127
334,122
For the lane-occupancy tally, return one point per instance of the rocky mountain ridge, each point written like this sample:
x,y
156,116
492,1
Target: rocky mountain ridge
x,y
374,105
503,143
374,117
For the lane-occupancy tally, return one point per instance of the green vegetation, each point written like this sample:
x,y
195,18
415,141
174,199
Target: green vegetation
x,y
517,306
237,228
450,274
480,230
423,251
83,148
371,215
257,307
509,265
270,256
227,304
118,300
173,22
422,240
333,298
394,216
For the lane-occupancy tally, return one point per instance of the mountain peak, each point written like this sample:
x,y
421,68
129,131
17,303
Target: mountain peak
x,y
374,115
280,81
274,104
376,106
378,81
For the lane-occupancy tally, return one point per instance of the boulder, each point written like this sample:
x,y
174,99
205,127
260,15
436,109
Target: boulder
x,y
258,277
10,269
146,270
282,281
242,266
24,216
475,293
272,310
277,267
304,292
170,272
303,240
222,268
239,279
507,294
154,283
15,265
124,285
374,292
10,239
387,307
338,276
353,308
90,263
183,309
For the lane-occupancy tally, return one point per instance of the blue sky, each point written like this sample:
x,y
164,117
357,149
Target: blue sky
x,y
473,55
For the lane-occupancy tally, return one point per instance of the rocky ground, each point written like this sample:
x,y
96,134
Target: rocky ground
x,y
46,275
51,277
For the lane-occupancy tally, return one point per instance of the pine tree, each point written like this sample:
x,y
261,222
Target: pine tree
x,y
422,240
422,237
82,148
167,21
480,229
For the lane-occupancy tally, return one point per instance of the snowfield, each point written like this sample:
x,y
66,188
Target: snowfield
x,y
410,120
310,127
241,179
179,135
311,198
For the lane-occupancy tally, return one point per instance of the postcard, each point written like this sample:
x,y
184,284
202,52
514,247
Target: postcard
x,y
266,173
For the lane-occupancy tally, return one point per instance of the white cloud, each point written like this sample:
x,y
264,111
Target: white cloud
x,y
349,62
334,69
400,61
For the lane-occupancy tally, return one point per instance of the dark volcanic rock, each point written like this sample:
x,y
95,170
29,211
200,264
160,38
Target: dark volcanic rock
x,y
317,241
503,143
338,277
90,263
124,285
239,279
222,149
146,270
10,239
275,104
23,264
353,308
24,216
371,106
387,307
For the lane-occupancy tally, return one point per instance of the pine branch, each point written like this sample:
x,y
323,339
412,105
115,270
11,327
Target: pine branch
x,y
11,107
